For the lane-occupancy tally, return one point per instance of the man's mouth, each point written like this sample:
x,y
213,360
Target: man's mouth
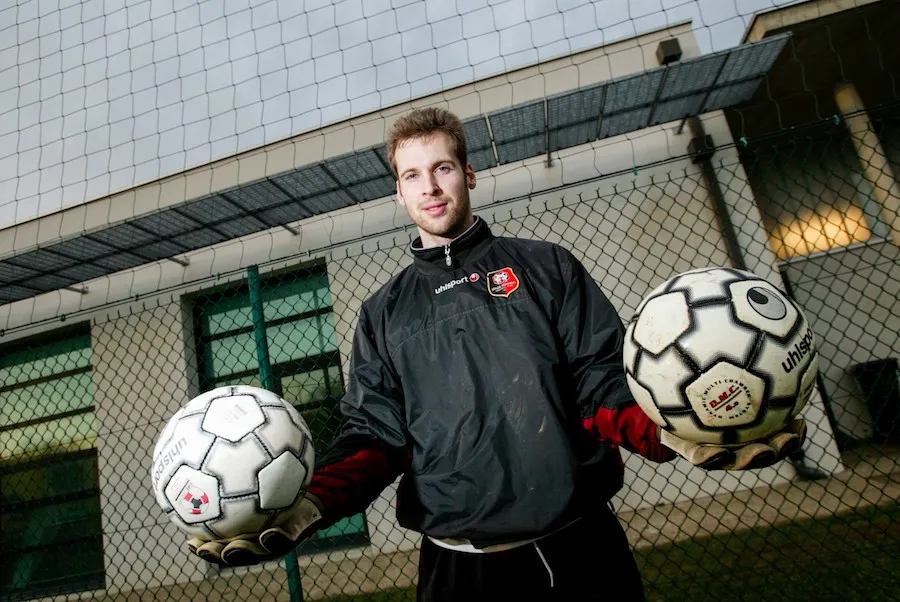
x,y
435,210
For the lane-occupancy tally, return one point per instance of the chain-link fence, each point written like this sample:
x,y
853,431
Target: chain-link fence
x,y
83,401
802,187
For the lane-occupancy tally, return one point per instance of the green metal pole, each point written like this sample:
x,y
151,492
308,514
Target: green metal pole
x,y
291,565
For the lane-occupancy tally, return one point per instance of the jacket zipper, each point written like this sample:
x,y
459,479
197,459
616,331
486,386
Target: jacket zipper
x,y
447,257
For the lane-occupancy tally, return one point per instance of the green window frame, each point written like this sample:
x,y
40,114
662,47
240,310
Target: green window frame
x,y
51,537
304,357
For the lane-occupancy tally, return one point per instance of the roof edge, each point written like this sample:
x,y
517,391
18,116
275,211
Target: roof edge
x,y
770,20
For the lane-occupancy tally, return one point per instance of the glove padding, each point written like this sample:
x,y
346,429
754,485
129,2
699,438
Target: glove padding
x,y
271,544
757,454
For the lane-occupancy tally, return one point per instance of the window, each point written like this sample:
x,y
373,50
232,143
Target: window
x,y
814,196
303,354
50,528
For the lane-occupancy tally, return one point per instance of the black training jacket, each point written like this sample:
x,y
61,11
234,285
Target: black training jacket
x,y
489,374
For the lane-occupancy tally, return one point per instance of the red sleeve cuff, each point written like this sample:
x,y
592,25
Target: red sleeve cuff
x,y
631,429
349,485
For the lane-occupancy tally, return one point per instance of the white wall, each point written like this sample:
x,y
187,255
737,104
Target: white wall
x,y
142,375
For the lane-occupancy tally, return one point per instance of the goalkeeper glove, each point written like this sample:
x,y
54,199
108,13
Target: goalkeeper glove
x,y
756,454
271,544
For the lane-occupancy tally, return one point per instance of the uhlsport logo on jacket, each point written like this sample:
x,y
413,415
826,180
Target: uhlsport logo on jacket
x,y
473,277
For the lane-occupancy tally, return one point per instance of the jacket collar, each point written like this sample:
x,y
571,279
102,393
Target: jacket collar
x,y
461,249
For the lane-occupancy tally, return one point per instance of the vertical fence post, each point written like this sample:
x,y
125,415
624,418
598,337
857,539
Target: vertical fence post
x,y
291,565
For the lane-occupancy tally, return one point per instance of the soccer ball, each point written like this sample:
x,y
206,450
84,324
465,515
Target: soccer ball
x,y
232,461
719,355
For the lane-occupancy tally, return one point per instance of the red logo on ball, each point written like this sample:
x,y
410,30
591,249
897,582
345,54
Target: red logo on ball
x,y
196,500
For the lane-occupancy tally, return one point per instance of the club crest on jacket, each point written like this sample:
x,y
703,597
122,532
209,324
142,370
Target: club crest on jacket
x,y
502,282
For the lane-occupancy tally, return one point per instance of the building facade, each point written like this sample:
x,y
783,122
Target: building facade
x,y
93,370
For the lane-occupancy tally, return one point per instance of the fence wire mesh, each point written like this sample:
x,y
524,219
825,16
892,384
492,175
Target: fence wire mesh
x,y
807,196
83,403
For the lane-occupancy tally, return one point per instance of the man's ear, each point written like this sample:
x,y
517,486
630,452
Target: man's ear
x,y
470,176
400,196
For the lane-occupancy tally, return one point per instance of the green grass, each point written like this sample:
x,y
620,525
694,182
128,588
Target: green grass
x,y
849,558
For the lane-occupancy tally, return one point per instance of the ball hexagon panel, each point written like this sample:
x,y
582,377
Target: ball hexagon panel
x,y
281,482
307,451
236,464
726,396
233,418
187,444
703,284
194,495
664,375
714,336
239,516
760,305
662,321
280,434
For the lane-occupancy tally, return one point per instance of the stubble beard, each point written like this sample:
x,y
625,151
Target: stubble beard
x,y
450,225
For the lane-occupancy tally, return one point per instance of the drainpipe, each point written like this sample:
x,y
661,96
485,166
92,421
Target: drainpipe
x,y
701,149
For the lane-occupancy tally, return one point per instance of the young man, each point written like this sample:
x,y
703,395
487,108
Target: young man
x,y
489,375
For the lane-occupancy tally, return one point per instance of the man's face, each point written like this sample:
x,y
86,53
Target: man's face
x,y
434,188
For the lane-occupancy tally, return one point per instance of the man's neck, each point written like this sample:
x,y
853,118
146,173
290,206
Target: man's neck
x,y
430,241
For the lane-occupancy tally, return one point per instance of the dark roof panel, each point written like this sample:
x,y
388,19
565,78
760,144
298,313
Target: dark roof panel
x,y
682,89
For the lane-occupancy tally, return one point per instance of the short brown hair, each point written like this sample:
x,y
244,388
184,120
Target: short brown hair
x,y
421,123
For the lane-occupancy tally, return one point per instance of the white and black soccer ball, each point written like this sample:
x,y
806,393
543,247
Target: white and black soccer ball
x,y
720,355
232,461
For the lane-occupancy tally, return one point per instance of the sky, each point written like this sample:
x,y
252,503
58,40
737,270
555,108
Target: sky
x,y
98,96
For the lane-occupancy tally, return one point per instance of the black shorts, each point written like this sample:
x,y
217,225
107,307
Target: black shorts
x,y
587,560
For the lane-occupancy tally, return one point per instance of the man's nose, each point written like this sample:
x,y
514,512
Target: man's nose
x,y
431,185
